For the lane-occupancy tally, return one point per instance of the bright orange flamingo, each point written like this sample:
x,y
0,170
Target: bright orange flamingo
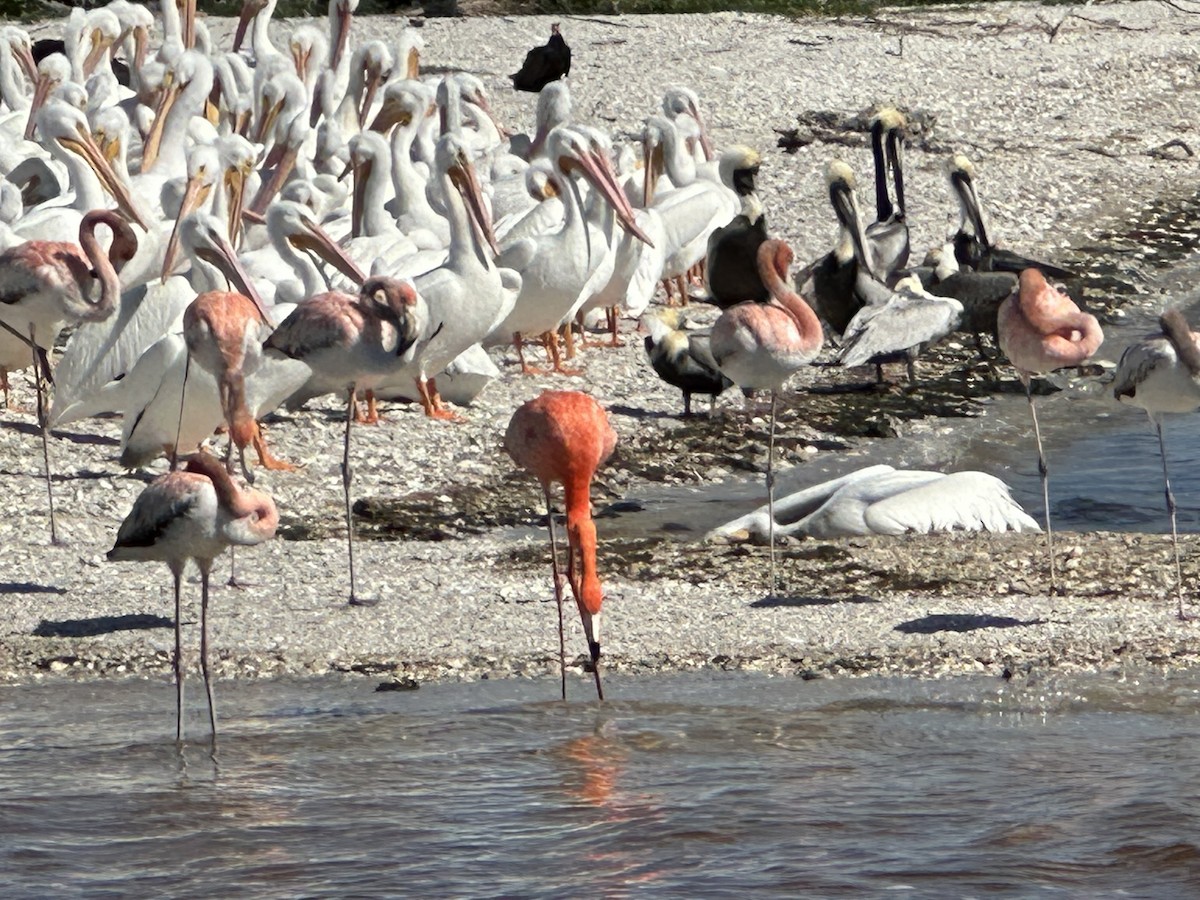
x,y
563,437
758,346
1042,330
193,514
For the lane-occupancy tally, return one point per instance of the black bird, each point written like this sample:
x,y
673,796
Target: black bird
x,y
47,46
980,293
544,64
732,263
683,358
831,283
888,234
971,245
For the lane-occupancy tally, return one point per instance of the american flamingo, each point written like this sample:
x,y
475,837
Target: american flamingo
x,y
563,437
353,343
46,284
1042,330
760,345
193,514
1161,374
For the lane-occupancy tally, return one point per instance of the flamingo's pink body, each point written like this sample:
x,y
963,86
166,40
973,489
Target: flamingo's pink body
x,y
759,345
1042,330
563,437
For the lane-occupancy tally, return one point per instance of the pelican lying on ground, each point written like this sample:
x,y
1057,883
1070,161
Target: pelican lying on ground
x,y
885,500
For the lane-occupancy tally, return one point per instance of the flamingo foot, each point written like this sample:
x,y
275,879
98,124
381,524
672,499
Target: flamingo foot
x,y
265,459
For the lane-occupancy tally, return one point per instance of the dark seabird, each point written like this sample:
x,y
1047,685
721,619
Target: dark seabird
x,y
971,245
544,64
830,283
683,358
732,262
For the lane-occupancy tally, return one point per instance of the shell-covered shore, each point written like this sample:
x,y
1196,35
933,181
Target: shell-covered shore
x,y
1063,109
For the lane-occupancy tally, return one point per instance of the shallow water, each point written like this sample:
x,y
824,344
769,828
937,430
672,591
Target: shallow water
x,y
679,785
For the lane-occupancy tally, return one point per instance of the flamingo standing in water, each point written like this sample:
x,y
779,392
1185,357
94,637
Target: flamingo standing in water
x,y
1161,374
760,345
1042,330
352,343
193,514
563,437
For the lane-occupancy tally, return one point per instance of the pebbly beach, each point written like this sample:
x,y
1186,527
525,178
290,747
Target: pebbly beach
x,y
1080,121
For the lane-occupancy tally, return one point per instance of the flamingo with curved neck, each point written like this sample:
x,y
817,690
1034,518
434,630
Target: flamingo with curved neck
x,y
760,345
1042,330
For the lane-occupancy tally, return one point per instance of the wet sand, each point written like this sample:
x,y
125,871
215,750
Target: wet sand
x,y
1061,126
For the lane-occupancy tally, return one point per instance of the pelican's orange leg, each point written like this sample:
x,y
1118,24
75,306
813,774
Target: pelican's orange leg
x,y
551,339
526,369
431,401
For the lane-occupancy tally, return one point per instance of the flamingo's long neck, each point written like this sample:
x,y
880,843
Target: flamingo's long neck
x,y
792,303
581,536
106,272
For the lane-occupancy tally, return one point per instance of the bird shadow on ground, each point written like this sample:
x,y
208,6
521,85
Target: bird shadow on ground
x,y
98,625
962,622
636,412
34,430
28,587
775,602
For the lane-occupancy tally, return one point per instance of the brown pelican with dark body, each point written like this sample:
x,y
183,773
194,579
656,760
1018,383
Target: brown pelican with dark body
x,y
683,359
972,248
544,64
732,262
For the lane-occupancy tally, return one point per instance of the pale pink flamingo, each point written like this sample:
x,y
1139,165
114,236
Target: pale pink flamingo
x,y
760,345
224,333
193,514
1161,374
563,437
353,343
44,285
1042,330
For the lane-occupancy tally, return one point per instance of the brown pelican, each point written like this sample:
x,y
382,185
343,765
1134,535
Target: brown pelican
x,y
732,267
683,358
888,234
972,247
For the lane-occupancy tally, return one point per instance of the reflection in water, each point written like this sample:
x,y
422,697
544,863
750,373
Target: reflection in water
x,y
687,784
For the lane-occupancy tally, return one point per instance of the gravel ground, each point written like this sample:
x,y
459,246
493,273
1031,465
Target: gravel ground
x,y
1060,107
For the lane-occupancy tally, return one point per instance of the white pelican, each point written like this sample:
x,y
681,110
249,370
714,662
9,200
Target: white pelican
x,y
555,266
884,500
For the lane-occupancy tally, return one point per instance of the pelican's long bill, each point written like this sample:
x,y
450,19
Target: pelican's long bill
x,y
222,255
466,182
964,186
170,93
595,167
194,195
316,240
845,207
85,146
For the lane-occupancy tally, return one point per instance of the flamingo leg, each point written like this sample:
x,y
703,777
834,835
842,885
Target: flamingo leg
x,y
351,408
265,459
4,385
614,327
1162,448
574,572
205,567
681,283
177,659
41,375
771,490
558,592
1044,471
